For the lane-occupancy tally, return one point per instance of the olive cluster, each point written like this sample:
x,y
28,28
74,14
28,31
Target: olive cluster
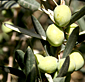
x,y
50,64
54,32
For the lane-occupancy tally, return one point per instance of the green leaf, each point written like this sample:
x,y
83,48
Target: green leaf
x,y
30,65
81,23
30,4
19,55
78,15
9,4
38,28
13,71
22,30
71,42
64,68
59,79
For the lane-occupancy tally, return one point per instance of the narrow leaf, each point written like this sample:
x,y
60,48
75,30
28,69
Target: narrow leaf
x,y
64,68
71,42
39,28
30,65
13,71
30,4
81,23
19,55
5,4
78,15
22,30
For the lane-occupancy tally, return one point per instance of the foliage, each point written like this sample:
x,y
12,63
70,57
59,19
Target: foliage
x,y
18,46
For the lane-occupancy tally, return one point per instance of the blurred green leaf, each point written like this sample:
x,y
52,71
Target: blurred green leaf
x,y
22,30
64,68
78,15
59,79
71,42
39,28
81,23
30,4
19,55
13,71
30,65
5,4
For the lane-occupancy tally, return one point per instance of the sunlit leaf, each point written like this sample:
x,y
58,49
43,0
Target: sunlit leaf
x,y
22,30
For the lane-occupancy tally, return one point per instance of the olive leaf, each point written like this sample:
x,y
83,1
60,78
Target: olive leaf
x,y
81,23
30,65
13,71
30,4
77,16
19,55
22,30
5,4
38,27
71,42
64,68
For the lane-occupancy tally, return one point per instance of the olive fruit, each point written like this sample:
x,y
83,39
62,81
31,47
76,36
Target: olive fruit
x,y
70,29
78,59
48,64
62,15
6,29
38,57
71,65
55,35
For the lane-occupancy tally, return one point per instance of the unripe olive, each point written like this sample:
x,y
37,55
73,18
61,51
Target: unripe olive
x,y
39,58
71,65
70,29
48,64
78,59
6,29
62,15
55,35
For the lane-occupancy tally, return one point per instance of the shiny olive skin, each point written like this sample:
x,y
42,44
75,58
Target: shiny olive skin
x,y
78,59
48,64
62,15
39,58
6,29
55,35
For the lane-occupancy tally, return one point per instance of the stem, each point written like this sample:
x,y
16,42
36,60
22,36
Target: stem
x,y
55,2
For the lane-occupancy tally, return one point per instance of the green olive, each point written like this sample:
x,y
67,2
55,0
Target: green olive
x,y
55,35
70,29
6,29
71,65
48,64
39,58
78,59
62,15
